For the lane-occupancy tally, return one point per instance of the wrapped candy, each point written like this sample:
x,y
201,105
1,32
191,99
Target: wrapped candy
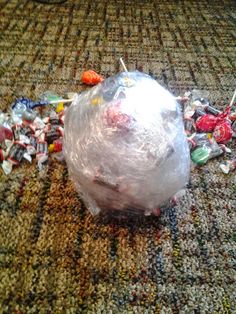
x,y
206,123
30,129
189,126
16,153
91,77
228,166
5,133
2,154
204,147
223,132
212,110
125,145
218,124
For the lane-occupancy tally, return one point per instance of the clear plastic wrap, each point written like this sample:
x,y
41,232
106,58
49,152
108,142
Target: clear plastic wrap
x,y
125,146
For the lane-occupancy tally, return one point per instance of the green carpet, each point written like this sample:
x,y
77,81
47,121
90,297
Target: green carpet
x,y
54,257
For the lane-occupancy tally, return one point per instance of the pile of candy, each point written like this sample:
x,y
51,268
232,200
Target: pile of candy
x,y
35,129
208,130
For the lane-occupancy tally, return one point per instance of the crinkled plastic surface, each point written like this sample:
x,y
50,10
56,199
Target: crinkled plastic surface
x,y
125,145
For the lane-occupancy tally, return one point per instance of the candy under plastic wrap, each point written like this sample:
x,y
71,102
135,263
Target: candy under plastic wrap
x,y
125,145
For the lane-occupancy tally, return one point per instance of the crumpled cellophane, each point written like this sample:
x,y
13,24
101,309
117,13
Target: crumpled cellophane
x,y
125,145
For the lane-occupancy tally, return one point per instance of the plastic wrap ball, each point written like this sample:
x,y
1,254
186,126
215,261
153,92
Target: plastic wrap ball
x,y
125,145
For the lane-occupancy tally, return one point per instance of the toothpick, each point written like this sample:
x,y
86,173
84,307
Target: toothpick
x,y
232,100
123,65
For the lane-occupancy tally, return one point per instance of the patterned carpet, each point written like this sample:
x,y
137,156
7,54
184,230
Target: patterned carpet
x,y
54,257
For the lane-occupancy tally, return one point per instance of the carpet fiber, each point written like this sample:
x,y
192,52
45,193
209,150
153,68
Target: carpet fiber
x,y
54,258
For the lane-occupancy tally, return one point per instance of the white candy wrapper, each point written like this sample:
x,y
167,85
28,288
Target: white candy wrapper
x,y
125,145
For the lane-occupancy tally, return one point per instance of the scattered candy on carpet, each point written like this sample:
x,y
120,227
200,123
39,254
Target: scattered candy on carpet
x,y
35,128
208,130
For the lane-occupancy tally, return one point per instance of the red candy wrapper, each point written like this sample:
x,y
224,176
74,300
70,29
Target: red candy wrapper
x,y
223,132
1,155
206,123
57,145
5,133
